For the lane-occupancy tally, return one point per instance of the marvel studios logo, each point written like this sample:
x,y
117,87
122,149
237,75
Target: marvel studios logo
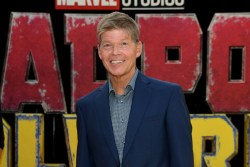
x,y
120,4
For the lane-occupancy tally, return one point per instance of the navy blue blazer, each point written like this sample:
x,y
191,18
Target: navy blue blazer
x,y
158,132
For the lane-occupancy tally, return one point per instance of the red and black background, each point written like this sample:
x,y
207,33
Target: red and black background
x,y
55,146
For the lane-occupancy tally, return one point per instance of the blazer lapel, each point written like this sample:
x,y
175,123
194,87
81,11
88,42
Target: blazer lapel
x,y
102,105
141,99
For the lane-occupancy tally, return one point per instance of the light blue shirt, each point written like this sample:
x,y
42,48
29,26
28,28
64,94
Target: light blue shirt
x,y
120,106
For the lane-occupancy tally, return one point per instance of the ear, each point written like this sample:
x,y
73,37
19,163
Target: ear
x,y
99,52
139,49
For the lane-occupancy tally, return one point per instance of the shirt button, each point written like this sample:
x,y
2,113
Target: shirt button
x,y
121,101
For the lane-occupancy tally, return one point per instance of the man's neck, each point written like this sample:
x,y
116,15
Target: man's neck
x,y
119,84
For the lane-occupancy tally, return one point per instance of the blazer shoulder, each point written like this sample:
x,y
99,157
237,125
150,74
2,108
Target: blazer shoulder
x,y
90,96
161,84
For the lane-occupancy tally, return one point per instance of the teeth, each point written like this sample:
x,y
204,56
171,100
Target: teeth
x,y
116,61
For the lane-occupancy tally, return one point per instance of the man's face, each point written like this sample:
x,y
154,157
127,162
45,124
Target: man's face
x,y
118,53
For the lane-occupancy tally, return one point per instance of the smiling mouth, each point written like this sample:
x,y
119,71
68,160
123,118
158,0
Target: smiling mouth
x,y
116,61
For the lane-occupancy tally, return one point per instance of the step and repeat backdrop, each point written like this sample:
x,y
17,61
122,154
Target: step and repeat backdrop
x,y
49,58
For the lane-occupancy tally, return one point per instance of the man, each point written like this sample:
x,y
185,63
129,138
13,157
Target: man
x,y
132,120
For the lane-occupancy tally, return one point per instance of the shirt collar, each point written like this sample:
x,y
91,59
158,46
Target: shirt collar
x,y
131,83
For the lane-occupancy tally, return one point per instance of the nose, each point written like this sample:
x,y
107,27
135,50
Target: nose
x,y
116,49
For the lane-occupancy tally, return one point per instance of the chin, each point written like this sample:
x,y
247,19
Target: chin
x,y
116,73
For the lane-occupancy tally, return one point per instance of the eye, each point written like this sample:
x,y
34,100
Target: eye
x,y
124,43
106,46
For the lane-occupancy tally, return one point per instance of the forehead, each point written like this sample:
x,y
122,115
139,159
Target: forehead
x,y
115,34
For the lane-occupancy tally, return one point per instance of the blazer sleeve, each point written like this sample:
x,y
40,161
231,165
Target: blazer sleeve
x,y
83,157
179,131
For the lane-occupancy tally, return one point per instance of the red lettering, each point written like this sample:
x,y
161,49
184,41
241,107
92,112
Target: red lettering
x,y
224,94
31,46
81,33
163,35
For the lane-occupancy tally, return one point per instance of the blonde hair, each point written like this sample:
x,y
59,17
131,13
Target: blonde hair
x,y
118,20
